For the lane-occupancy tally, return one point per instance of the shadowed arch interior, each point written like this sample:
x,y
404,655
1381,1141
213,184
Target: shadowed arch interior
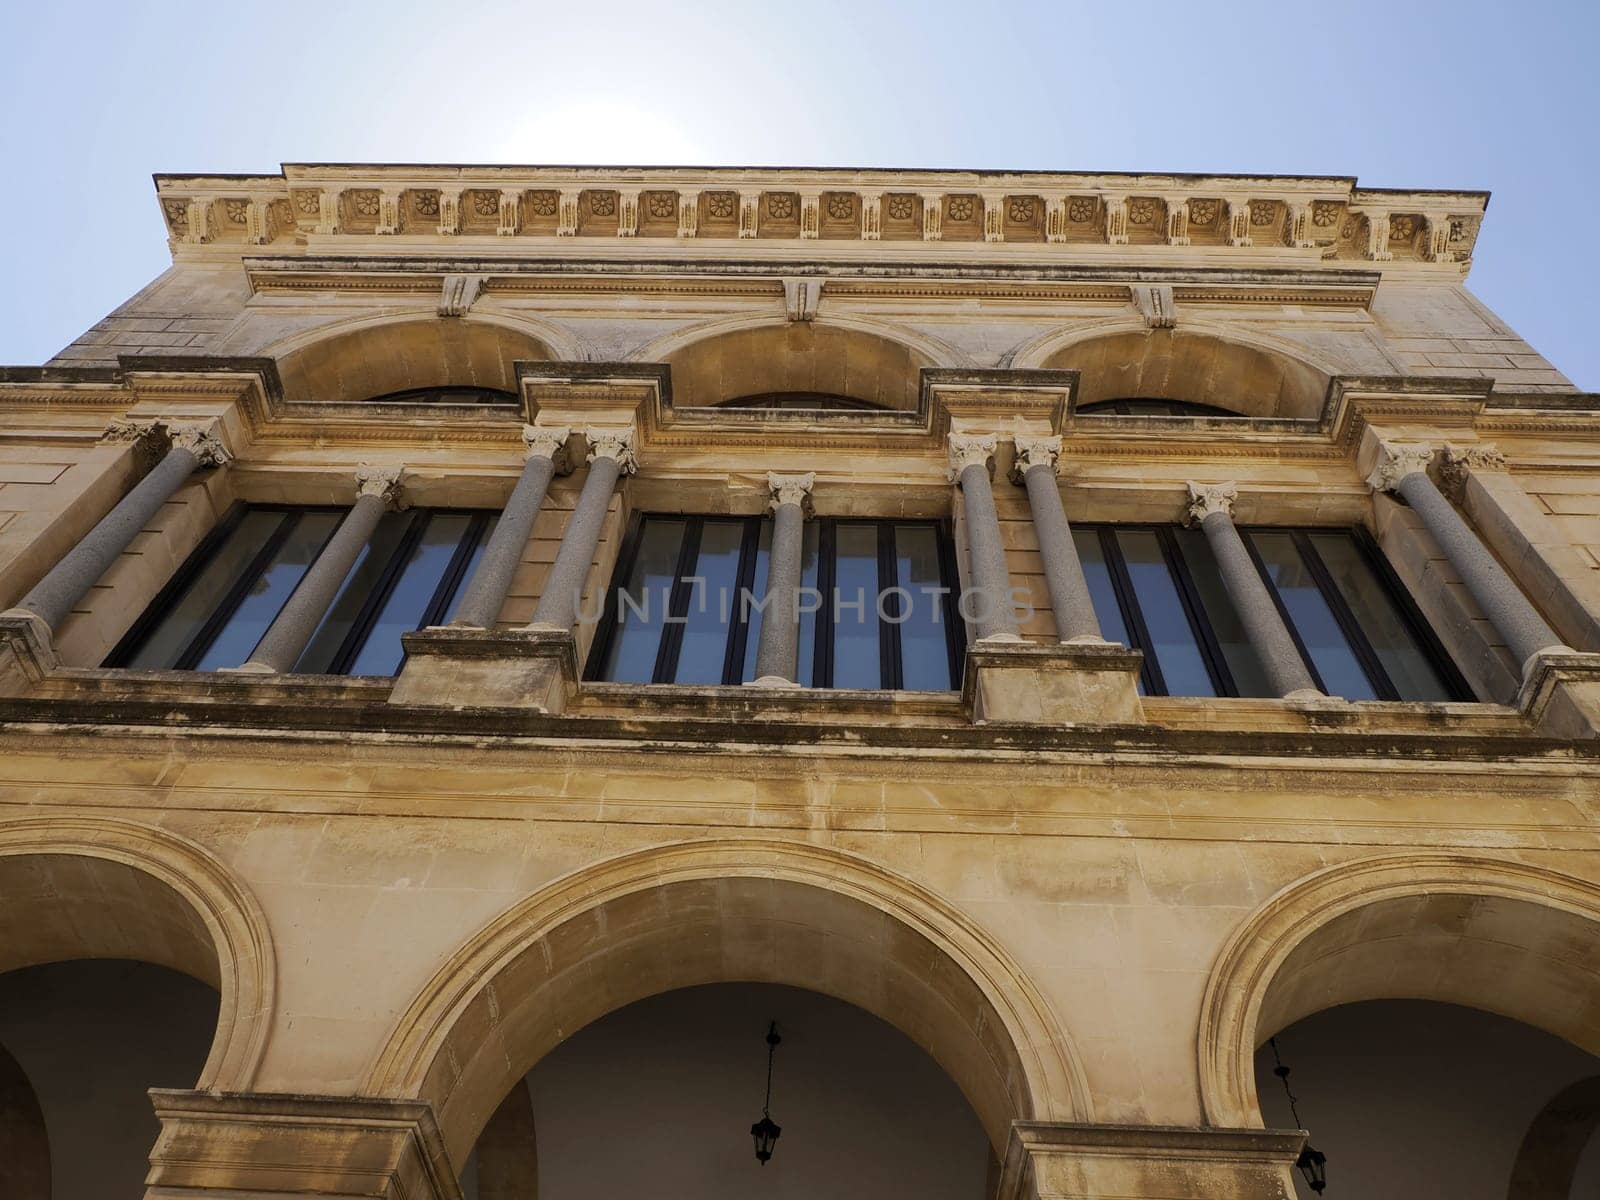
x,y
1174,364
404,356
797,357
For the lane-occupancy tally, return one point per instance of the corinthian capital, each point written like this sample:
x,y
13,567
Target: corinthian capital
x,y
380,481
1396,462
546,441
791,489
971,450
615,444
1208,499
1458,462
200,440
1034,452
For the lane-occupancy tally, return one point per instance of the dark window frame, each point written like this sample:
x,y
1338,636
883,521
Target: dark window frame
x,y
669,649
1151,406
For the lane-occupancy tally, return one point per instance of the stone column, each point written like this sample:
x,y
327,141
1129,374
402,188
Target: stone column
x,y
286,639
610,457
1404,469
1035,468
1211,505
970,458
776,652
188,447
486,591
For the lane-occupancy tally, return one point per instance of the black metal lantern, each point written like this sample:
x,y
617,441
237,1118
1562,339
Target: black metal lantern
x,y
1312,1163
765,1131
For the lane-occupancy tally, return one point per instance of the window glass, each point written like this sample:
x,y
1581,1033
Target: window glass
x,y
1098,575
1244,664
412,594
366,574
470,569
712,596
755,615
640,606
1173,643
1407,664
811,602
919,608
854,607
164,646
1313,620
269,592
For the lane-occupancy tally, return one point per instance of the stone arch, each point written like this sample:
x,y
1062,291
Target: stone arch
x,y
742,356
1505,937
1547,1161
712,912
85,887
354,360
1250,375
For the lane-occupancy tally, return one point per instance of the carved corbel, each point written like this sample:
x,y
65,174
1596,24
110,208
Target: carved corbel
x,y
449,212
871,216
509,218
1436,241
1377,240
688,214
1297,230
1116,220
1208,499
1155,305
971,450
994,215
801,297
258,229
1396,462
1177,222
200,228
628,212
810,214
459,293
749,214
612,443
388,211
932,216
327,211
1055,218
1239,223
1459,462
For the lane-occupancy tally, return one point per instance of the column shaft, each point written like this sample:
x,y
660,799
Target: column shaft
x,y
1063,572
996,610
71,578
1502,601
486,591
1269,636
286,639
777,649
558,603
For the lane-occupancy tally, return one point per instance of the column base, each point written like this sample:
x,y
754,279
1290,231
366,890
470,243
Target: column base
x,y
27,654
1057,684
1059,1161
474,668
1560,693
245,1146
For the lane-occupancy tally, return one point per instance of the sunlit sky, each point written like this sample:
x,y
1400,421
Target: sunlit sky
x,y
1499,96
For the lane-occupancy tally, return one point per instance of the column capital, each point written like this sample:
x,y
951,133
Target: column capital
x,y
202,441
130,429
971,450
1396,462
1034,452
615,444
791,489
1458,462
1208,499
380,481
546,441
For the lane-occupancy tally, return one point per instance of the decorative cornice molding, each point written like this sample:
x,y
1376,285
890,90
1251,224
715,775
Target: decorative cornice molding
x,y
1396,462
791,489
1209,499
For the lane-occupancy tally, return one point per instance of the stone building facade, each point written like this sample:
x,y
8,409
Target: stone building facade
x,y
1290,700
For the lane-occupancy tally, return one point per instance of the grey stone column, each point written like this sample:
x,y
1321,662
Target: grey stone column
x,y
286,638
995,613
189,447
1404,469
777,651
610,457
1035,468
486,590
1212,507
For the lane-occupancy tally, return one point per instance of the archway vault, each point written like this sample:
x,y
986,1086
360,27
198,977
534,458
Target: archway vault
x,y
1502,936
89,887
729,911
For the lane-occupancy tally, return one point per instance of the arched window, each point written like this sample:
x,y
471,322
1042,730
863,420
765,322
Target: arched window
x,y
807,401
1152,406
445,395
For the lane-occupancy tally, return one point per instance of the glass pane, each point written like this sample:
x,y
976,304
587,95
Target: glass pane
x,y
471,569
1106,609
407,603
362,580
1408,665
758,591
855,607
1313,620
924,633
810,603
269,593
642,604
711,603
1172,640
165,644
1244,664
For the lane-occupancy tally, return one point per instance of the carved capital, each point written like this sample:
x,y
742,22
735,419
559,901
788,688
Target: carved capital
x,y
380,481
791,489
971,450
200,440
546,441
1034,452
614,444
1207,499
127,429
1458,462
1396,462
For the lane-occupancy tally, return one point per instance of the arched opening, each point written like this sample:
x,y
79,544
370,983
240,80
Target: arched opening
x,y
1198,369
750,368
658,1098
401,358
709,913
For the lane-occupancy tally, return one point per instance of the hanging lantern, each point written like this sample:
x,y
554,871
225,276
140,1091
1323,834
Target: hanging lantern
x,y
765,1131
1312,1163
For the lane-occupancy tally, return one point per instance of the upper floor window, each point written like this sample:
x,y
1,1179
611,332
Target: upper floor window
x,y
446,395
1159,589
877,604
225,597
1151,406
805,401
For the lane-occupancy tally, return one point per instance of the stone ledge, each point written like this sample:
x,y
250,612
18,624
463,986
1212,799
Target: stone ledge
x,y
27,657
1560,694
1052,684
470,668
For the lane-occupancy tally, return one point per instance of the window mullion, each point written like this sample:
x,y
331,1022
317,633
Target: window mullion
x,y
738,618
955,625
1194,609
891,673
666,667
822,661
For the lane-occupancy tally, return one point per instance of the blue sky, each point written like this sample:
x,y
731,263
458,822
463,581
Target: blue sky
x,y
1498,96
